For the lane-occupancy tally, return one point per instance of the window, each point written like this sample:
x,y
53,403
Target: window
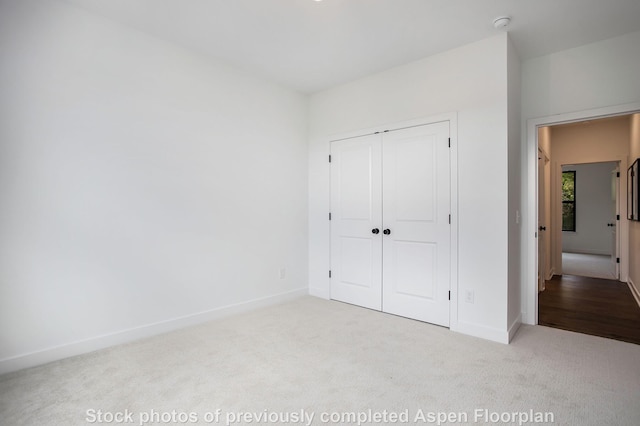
x,y
569,201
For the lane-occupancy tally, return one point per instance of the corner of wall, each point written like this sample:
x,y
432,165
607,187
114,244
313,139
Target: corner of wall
x,y
483,332
515,199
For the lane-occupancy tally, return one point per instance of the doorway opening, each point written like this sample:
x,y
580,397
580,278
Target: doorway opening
x,y
589,194
579,218
544,246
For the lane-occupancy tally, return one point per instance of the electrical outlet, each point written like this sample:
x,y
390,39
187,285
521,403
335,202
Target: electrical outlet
x,y
468,296
282,273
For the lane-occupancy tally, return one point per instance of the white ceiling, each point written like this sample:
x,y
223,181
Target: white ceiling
x,y
309,45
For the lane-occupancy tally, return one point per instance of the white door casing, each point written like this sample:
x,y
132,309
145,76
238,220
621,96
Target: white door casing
x,y
530,294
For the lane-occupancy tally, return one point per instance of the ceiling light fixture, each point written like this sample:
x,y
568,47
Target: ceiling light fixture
x,y
501,22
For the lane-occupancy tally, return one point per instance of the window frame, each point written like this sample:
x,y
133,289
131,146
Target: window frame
x,y
571,202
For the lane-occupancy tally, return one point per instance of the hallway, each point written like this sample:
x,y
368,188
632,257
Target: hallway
x,y
593,306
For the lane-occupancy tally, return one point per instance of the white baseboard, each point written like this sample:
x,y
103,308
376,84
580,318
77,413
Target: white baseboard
x,y
515,325
552,272
487,333
634,291
55,353
319,292
588,251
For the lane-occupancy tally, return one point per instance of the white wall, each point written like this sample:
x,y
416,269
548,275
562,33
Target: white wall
x,y
139,184
594,210
472,81
593,76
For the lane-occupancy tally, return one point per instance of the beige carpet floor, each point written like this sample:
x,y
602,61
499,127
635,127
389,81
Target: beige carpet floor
x,y
326,360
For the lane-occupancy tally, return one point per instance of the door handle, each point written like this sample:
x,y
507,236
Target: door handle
x,y
611,224
375,231
387,232
542,228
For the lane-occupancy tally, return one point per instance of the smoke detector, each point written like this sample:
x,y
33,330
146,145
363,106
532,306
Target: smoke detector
x,y
501,22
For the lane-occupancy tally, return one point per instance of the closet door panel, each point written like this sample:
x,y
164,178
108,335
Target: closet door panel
x,y
356,210
415,265
416,207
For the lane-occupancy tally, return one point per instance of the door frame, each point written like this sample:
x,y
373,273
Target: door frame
x,y
618,211
452,118
543,195
530,293
558,238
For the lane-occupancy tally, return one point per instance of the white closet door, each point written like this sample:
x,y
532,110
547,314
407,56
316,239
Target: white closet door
x,y
356,208
416,208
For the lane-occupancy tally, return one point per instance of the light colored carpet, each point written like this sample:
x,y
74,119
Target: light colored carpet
x,y
327,357
588,265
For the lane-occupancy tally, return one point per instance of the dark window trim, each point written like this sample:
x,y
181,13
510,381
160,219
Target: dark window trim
x,y
573,202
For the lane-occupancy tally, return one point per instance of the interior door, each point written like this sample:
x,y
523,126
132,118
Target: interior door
x,y
417,231
615,190
542,225
356,219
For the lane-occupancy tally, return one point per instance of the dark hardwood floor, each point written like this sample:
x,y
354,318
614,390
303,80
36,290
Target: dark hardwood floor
x,y
590,305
